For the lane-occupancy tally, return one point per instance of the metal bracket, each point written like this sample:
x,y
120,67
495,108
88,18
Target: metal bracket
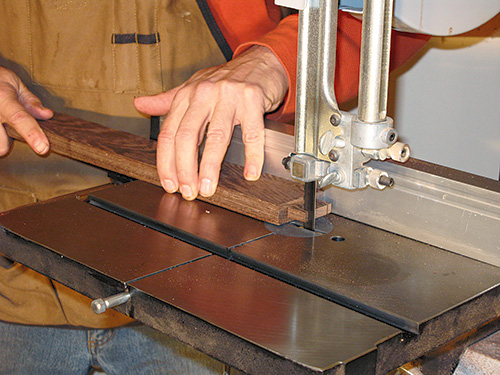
x,y
332,146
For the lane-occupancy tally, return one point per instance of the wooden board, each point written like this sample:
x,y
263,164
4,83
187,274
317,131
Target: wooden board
x,y
271,199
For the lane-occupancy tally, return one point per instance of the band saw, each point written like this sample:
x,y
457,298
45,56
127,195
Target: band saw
x,y
386,278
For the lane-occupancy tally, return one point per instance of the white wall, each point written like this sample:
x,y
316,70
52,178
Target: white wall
x,y
446,105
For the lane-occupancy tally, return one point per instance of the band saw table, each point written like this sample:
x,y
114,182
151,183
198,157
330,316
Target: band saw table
x,y
391,278
262,298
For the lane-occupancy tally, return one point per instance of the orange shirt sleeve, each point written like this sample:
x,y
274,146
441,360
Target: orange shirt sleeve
x,y
245,23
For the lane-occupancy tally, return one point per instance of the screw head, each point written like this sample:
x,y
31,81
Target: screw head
x,y
335,119
98,306
392,137
333,155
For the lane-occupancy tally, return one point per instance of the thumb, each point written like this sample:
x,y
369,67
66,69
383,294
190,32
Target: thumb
x,y
33,105
156,105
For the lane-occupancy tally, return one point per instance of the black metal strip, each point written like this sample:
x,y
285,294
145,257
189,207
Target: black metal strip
x,y
135,38
154,128
225,252
352,304
215,30
164,228
310,204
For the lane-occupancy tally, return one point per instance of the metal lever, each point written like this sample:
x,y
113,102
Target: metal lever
x,y
100,305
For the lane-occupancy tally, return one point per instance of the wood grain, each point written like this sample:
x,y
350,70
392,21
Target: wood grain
x,y
271,199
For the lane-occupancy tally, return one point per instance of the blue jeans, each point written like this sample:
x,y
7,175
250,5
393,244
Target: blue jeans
x,y
135,349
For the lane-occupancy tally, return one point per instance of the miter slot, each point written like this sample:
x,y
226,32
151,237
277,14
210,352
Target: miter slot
x,y
311,332
215,224
161,227
235,254
390,278
310,286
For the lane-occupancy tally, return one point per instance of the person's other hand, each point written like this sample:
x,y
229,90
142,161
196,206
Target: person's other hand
x,y
209,105
19,107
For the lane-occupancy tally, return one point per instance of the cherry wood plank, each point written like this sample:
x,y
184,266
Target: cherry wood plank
x,y
271,199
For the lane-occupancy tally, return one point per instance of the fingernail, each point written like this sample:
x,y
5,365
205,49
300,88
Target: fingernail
x,y
206,187
41,147
169,186
251,173
186,192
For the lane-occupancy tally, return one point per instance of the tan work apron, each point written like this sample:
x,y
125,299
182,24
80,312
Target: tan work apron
x,y
88,59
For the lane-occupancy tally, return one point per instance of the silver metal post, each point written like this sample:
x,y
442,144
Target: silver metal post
x,y
307,77
375,54
316,101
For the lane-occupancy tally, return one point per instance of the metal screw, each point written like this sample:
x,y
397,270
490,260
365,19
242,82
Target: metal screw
x,y
100,305
335,119
333,155
386,181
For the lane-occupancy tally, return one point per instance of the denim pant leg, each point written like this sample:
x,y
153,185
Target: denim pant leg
x,y
34,350
142,350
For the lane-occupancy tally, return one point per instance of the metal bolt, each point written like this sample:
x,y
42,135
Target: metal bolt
x,y
333,155
386,181
335,119
286,162
100,305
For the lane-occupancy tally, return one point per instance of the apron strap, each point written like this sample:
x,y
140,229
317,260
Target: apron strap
x,y
215,30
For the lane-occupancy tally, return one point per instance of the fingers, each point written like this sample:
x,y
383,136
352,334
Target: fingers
x,y
253,136
253,139
18,108
187,141
238,92
217,141
16,116
165,153
179,140
177,167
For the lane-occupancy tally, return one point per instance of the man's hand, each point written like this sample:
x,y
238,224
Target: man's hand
x,y
19,108
213,101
